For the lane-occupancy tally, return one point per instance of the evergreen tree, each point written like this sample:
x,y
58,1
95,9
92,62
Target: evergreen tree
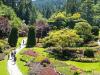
x,y
31,37
72,6
13,37
86,11
27,11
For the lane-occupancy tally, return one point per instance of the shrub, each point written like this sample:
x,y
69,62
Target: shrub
x,y
31,37
84,30
86,60
45,62
4,27
23,30
62,38
91,44
76,73
13,37
30,53
89,53
95,30
26,58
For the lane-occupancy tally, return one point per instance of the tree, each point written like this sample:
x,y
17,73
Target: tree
x,y
9,13
84,30
62,38
87,11
48,7
4,27
13,37
58,19
96,18
42,28
95,30
27,11
31,41
72,6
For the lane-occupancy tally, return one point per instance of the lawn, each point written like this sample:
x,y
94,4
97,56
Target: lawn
x,y
86,66
61,67
3,67
19,41
24,69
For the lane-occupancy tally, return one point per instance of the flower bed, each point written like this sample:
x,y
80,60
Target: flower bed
x,y
30,53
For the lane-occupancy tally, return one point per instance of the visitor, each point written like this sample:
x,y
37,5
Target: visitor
x,y
12,54
23,42
20,45
14,51
14,59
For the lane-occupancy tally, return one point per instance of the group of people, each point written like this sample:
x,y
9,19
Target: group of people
x,y
12,56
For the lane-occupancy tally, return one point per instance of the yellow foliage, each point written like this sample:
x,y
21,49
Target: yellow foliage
x,y
76,16
58,16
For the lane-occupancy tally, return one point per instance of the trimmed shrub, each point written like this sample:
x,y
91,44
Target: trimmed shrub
x,y
89,53
31,37
76,73
88,60
95,30
13,37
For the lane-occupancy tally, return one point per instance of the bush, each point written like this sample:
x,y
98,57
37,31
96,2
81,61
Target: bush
x,y
62,38
13,37
84,30
95,30
26,58
76,73
31,37
91,44
23,30
89,53
88,60
4,27
30,53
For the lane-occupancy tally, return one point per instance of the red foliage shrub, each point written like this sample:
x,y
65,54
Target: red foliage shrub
x,y
30,53
4,27
48,71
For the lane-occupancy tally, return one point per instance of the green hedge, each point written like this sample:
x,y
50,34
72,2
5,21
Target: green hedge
x,y
13,37
31,41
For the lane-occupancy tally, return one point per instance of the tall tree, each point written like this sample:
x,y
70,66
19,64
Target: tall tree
x,y
86,11
72,6
31,41
13,37
27,11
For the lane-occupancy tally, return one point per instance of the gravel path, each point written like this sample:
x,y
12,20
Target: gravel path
x,y
11,66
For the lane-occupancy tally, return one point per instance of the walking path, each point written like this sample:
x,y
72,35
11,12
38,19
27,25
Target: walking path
x,y
13,68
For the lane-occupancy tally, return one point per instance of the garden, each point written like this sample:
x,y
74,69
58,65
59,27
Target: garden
x,y
50,37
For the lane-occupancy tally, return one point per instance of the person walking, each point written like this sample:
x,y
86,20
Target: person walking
x,y
23,42
14,51
12,54
14,59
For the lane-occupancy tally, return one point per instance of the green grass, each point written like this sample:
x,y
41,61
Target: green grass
x,y
3,67
86,66
19,41
21,65
24,69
